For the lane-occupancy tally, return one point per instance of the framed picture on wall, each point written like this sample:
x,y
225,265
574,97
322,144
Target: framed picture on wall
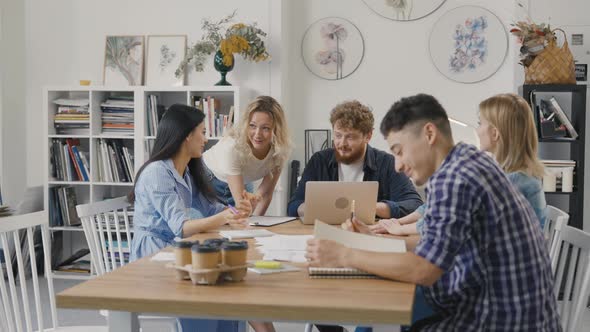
x,y
123,60
164,54
404,10
332,48
468,44
316,140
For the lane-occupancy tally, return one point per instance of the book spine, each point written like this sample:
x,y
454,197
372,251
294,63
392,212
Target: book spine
x,y
79,163
73,159
85,164
563,118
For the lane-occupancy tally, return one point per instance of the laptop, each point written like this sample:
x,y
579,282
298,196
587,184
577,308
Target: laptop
x,y
330,201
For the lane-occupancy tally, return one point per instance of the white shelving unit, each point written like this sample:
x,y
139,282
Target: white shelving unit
x,y
94,190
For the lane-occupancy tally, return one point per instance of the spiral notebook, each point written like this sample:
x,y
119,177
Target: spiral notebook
x,y
338,273
351,240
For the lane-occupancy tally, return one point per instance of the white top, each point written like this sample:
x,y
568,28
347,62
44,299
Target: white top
x,y
351,172
223,160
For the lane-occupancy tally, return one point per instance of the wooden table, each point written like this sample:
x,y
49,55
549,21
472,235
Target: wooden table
x,y
145,286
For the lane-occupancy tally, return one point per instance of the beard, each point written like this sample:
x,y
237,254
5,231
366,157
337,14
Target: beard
x,y
352,157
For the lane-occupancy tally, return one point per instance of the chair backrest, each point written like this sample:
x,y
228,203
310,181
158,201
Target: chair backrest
x,y
21,229
100,221
573,276
555,243
553,215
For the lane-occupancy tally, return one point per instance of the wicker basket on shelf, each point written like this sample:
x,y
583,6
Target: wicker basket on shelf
x,y
554,65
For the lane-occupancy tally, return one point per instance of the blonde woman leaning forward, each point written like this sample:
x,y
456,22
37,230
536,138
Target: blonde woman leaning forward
x,y
507,130
257,147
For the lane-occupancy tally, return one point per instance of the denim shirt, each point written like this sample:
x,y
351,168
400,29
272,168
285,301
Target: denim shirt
x,y
532,189
395,189
163,202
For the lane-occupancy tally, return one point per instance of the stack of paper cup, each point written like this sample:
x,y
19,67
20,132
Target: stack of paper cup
x,y
567,179
549,181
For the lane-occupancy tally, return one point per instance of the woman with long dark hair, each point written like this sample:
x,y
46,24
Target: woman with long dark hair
x,y
173,197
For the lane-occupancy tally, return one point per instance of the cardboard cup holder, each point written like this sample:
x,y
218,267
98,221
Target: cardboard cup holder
x,y
214,275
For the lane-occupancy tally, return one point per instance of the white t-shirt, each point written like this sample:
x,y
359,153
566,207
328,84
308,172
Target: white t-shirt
x,y
351,172
223,160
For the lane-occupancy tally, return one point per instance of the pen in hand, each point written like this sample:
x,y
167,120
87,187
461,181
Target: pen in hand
x,y
233,209
352,210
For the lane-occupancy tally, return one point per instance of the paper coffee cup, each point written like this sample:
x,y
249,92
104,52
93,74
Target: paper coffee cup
x,y
205,257
235,254
182,254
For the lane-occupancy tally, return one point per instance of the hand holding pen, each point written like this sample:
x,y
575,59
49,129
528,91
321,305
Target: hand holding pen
x,y
353,224
240,213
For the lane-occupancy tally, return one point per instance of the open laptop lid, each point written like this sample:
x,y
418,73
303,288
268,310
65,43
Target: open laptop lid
x,y
330,201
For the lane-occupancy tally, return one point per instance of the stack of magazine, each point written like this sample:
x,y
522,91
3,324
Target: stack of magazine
x,y
117,116
72,116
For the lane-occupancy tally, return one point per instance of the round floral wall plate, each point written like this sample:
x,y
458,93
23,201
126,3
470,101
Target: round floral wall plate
x,y
468,44
332,48
404,10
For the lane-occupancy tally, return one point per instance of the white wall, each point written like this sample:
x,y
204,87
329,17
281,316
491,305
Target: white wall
x,y
66,38
12,101
396,64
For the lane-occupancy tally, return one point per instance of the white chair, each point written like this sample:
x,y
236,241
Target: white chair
x,y
21,229
100,221
553,215
573,276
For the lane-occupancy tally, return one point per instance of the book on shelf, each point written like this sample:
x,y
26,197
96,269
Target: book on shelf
x,y
154,112
62,207
68,162
216,123
115,161
72,116
550,109
117,116
78,267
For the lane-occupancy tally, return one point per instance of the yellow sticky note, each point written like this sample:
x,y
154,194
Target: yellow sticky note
x,y
268,265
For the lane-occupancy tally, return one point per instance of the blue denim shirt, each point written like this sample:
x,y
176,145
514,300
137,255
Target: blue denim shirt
x,y
163,202
530,187
395,189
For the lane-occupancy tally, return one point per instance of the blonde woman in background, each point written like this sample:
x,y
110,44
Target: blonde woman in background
x,y
257,147
506,130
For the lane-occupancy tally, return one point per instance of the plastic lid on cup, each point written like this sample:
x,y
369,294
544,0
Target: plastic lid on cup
x,y
235,245
215,242
203,248
184,244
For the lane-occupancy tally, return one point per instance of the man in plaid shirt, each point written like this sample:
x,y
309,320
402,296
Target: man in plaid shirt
x,y
482,258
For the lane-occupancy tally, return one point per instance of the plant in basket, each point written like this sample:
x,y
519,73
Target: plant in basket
x,y
544,62
533,37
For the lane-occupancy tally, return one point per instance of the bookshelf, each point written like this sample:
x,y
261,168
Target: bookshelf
x,y
572,99
127,136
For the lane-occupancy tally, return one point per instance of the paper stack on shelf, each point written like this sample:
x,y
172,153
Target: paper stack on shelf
x,y
72,117
117,116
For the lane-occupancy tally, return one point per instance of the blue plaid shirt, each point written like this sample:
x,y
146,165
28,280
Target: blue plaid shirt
x,y
481,232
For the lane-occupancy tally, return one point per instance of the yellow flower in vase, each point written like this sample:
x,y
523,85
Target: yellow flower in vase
x,y
244,39
230,45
